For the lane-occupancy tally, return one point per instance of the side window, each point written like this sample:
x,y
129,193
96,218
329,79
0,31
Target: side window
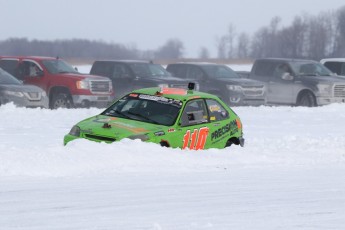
x,y
265,68
216,110
102,68
335,67
120,71
177,70
10,66
342,69
280,69
31,69
194,73
195,112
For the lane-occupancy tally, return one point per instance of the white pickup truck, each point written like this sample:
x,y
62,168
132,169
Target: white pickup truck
x,y
336,65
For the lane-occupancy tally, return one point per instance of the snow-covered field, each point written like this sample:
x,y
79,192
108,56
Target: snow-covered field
x,y
289,175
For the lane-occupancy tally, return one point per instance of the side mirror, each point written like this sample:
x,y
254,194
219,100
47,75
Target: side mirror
x,y
287,76
76,69
125,75
40,73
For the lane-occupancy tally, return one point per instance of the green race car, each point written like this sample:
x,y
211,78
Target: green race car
x,y
171,117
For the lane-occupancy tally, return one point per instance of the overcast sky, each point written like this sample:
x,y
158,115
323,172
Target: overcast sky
x,y
148,24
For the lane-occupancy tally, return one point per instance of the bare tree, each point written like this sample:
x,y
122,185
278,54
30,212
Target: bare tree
x,y
230,40
243,45
204,53
221,47
292,39
340,33
259,43
173,48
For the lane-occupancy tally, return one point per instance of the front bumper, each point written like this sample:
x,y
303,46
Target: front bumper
x,y
329,100
25,102
92,100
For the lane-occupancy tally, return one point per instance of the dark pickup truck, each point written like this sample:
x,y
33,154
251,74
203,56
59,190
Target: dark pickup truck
x,y
129,75
222,81
298,82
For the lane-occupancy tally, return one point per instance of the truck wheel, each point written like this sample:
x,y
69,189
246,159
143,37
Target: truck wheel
x,y
61,100
306,99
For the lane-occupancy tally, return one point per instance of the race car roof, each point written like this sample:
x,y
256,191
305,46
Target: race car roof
x,y
174,93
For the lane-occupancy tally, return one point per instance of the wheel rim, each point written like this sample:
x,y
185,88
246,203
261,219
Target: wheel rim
x,y
306,100
60,103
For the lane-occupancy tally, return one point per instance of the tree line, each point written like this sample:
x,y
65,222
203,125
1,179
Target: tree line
x,y
86,49
311,37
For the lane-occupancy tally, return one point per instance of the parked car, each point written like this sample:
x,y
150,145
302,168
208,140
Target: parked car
x,y
128,75
171,117
336,65
64,85
222,81
12,90
298,82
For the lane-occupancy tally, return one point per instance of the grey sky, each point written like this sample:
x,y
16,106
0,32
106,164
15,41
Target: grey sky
x,y
148,23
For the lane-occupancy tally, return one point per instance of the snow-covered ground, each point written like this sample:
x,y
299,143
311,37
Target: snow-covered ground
x,y
289,175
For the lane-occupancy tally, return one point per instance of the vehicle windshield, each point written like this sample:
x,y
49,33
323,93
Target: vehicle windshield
x,y
219,71
8,79
58,66
149,70
146,108
310,69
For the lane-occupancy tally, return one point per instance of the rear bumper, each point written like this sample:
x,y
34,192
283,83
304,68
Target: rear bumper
x,y
241,139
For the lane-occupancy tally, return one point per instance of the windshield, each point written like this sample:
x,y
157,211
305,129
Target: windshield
x,y
310,69
219,71
146,108
149,70
8,79
58,66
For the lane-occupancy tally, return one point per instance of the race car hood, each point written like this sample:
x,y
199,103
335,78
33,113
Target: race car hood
x,y
117,128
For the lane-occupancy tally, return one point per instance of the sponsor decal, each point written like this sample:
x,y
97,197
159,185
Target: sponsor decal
x,y
214,108
165,100
171,130
159,133
133,95
195,140
230,128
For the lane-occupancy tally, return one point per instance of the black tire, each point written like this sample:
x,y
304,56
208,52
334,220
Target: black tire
x,y
306,99
61,100
228,143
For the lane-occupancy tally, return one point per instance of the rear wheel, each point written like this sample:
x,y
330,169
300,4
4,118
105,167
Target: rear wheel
x,y
61,100
306,99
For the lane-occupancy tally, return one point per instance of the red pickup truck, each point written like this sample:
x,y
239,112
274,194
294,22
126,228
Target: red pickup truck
x,y
64,85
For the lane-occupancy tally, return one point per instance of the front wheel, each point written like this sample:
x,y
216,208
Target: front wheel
x,y
61,100
306,99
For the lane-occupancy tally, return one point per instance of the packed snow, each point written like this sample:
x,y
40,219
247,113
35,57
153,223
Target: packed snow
x,y
289,175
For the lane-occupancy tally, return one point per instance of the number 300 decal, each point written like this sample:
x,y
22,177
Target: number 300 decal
x,y
196,140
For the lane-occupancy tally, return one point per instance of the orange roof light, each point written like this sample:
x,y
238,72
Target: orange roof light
x,y
175,91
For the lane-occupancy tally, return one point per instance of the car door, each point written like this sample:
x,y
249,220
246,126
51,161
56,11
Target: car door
x,y
32,73
122,79
281,84
197,131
